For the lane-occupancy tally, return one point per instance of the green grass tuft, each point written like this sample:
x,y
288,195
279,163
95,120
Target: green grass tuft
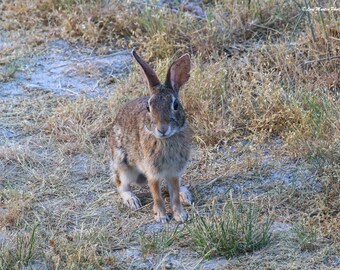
x,y
23,252
8,71
234,230
306,237
157,242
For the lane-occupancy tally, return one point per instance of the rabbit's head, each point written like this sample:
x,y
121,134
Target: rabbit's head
x,y
165,116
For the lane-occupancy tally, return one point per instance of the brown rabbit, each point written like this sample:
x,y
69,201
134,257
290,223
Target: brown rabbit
x,y
151,140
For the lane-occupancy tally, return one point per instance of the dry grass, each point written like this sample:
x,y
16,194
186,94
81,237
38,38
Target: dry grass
x,y
263,100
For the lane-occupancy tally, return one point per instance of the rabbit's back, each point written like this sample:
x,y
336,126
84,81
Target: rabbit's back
x,y
125,135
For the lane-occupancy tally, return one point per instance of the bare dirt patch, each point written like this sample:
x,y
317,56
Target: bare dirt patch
x,y
64,69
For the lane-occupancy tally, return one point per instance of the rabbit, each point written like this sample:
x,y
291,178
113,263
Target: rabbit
x,y
150,141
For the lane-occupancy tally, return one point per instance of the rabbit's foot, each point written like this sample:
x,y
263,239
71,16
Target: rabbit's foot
x,y
131,200
185,196
180,216
161,216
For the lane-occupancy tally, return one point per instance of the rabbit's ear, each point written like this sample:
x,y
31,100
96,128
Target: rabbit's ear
x,y
149,72
179,72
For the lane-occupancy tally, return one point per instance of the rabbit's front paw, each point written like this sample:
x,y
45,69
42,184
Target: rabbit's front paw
x,y
180,216
161,216
131,200
185,196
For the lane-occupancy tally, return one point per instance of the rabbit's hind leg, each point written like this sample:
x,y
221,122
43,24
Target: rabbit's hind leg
x,y
123,177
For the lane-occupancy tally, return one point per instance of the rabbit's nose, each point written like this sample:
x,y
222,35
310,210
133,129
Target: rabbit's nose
x,y
161,131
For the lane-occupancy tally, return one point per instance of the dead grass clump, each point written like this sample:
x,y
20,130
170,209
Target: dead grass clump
x,y
12,207
19,154
316,137
9,217
325,216
317,210
88,247
224,101
26,15
158,31
79,121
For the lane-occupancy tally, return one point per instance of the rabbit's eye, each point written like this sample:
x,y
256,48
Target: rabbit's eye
x,y
148,108
175,105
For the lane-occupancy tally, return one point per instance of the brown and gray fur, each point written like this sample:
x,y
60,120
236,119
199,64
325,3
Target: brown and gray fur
x,y
151,140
